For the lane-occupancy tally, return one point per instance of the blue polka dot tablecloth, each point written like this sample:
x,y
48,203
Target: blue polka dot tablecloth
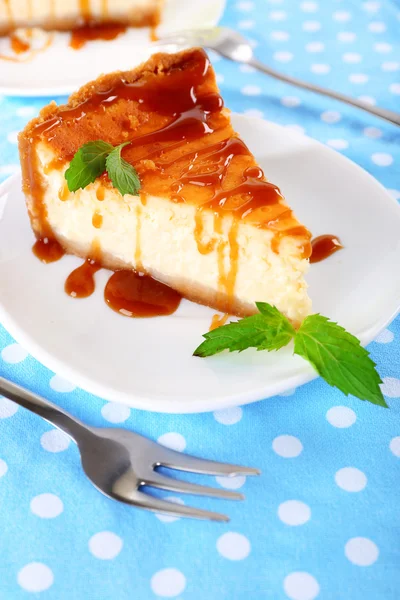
x,y
323,520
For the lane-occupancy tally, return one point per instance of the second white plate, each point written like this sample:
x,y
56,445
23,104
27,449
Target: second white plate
x,y
148,363
61,70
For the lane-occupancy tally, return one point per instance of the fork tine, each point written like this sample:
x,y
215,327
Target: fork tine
x,y
185,462
158,505
176,485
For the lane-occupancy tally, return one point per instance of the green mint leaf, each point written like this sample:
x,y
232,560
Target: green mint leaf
x,y
269,330
123,175
88,163
339,358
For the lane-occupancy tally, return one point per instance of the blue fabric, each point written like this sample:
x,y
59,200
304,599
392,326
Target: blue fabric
x,y
323,520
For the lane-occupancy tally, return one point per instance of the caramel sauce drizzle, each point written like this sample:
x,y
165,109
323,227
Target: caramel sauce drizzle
x,y
47,250
194,155
84,7
324,246
97,219
90,32
218,321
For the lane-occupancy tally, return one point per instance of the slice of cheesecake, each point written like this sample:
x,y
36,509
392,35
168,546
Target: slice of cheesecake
x,y
68,14
207,222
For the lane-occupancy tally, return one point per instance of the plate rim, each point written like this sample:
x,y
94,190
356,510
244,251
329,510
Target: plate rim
x,y
170,406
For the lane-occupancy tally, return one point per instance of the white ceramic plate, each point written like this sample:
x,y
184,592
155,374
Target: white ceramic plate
x,y
61,70
148,363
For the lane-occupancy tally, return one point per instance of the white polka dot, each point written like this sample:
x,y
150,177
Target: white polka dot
x,y
58,384
395,194
246,25
383,47
254,112
228,416
291,391
358,78
245,6
367,100
300,585
382,159
233,546
12,137
170,518
115,413
25,111
55,441
361,551
9,169
352,57
311,26
320,68
287,446
283,56
279,36
390,66
3,467
251,90
277,15
373,132
13,354
246,69
351,479
315,47
341,416
309,7
105,545
47,506
346,36
231,483
7,408
395,88
391,387
371,7
394,446
300,131
173,440
331,116
35,577
338,144
377,27
220,78
294,512
342,16
168,583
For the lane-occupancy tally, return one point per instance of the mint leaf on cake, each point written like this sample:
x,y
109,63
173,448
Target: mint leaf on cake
x,y
123,175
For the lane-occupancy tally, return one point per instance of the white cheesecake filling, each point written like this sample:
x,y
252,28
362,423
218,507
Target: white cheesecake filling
x,y
158,236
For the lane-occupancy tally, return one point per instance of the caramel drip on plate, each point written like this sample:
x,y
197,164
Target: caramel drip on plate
x,y
324,246
47,250
18,45
80,283
24,47
186,151
137,295
218,321
91,32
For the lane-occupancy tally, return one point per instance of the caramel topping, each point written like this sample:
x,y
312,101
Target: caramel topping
x,y
80,283
63,192
136,295
86,13
91,32
323,246
218,321
18,45
97,220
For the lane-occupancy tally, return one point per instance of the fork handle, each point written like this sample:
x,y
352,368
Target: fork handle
x,y
388,115
45,409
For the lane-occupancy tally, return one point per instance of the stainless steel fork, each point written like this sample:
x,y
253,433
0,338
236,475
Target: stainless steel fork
x,y
119,462
231,44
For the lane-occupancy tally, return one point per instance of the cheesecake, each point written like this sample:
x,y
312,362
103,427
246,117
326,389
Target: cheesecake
x,y
69,14
206,221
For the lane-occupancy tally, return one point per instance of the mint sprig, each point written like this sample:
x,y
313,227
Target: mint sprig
x,y
93,159
335,354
